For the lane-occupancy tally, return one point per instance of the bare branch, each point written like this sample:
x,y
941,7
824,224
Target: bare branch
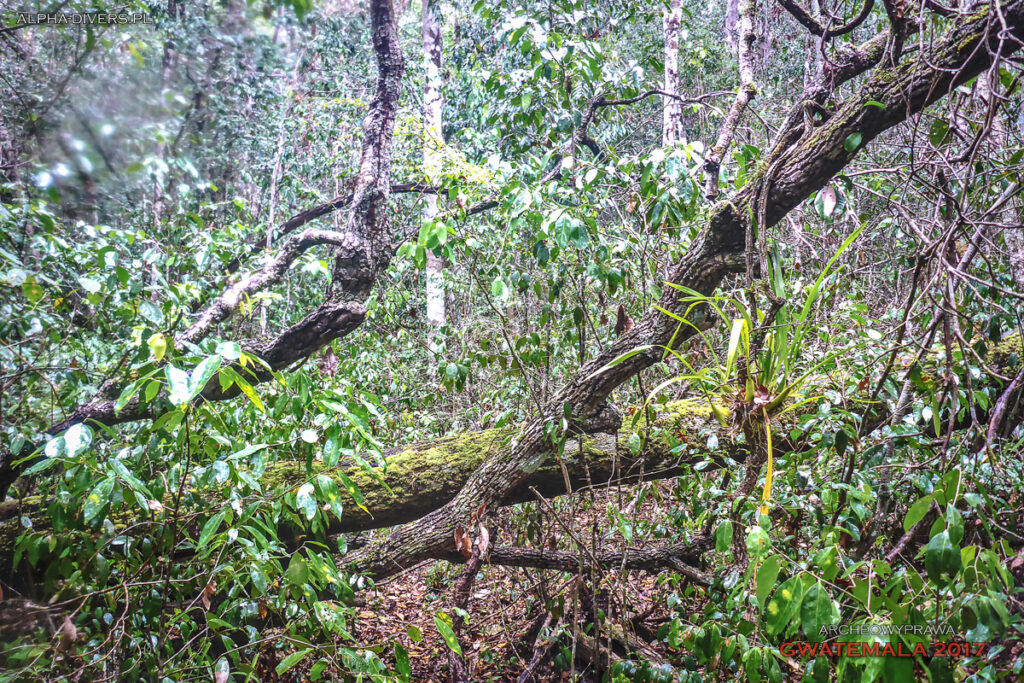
x,y
815,27
747,92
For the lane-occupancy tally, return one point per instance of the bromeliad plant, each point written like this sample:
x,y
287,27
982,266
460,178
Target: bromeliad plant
x,y
767,363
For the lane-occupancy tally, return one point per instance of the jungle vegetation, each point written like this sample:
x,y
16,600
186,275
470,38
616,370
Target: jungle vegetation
x,y
511,341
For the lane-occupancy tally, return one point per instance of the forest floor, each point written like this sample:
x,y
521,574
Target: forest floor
x,y
508,606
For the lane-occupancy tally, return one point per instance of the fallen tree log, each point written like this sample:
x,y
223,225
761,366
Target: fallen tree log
x,y
420,478
505,467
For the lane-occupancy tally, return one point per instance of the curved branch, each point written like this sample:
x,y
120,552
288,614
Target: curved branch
x,y
309,215
812,24
226,304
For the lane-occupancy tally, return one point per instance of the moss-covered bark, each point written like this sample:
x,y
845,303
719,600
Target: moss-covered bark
x,y
420,478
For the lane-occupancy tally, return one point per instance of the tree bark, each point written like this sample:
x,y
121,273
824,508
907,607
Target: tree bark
x,y
672,125
432,144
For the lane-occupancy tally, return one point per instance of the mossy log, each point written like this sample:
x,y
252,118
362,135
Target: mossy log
x,y
423,477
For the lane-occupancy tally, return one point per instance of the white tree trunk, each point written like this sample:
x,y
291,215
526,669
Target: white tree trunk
x,y
672,128
732,20
432,140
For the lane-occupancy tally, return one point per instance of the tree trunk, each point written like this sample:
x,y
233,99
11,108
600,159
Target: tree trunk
x,y
732,20
672,126
432,144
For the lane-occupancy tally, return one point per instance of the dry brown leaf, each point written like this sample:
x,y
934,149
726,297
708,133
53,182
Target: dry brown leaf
x,y
68,634
208,592
463,542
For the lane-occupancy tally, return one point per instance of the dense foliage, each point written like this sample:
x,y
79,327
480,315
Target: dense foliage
x,y
852,450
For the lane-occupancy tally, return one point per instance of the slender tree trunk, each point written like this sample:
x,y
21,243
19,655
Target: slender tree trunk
x,y
747,92
278,167
166,72
732,20
432,142
672,126
8,159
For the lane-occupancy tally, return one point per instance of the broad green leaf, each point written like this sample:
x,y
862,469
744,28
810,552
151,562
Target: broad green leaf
x,y
32,291
97,498
202,374
134,482
209,529
291,660
448,634
332,451
305,501
938,132
757,541
766,575
297,573
816,610
76,439
330,493
402,665
852,142
941,559
841,441
126,395
247,451
178,386
917,512
723,536
353,490
784,605
317,672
